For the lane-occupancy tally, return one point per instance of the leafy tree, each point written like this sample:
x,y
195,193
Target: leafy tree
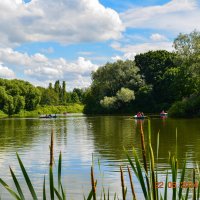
x,y
108,80
19,103
63,92
32,98
80,93
160,71
74,97
57,87
187,46
125,95
108,102
49,97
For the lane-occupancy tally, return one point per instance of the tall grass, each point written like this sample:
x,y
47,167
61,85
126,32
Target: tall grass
x,y
146,173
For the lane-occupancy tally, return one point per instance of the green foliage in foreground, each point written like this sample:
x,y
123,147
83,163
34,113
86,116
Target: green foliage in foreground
x,y
147,176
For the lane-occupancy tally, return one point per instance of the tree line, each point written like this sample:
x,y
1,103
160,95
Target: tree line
x,y
154,81
17,95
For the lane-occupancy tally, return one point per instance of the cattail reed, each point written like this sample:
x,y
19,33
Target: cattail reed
x,y
144,154
93,184
143,148
51,149
194,191
131,182
122,183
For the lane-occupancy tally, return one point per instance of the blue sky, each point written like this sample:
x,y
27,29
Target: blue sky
x,y
42,41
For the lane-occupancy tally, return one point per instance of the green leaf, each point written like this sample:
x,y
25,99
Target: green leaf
x,y
57,194
9,190
44,190
140,175
182,180
17,185
59,170
51,182
28,181
63,193
166,186
187,193
131,163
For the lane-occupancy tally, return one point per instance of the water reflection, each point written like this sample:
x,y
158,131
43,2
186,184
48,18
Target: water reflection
x,y
78,137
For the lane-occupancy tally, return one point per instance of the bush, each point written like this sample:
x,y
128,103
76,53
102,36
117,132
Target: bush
x,y
189,107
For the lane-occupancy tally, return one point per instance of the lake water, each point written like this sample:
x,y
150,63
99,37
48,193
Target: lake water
x,y
79,137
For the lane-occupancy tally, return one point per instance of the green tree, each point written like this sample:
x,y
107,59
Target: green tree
x,y
74,97
63,92
32,98
57,87
49,97
19,103
160,70
125,95
107,81
187,46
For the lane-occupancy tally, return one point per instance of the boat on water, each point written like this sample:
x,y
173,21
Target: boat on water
x,y
163,114
48,116
139,117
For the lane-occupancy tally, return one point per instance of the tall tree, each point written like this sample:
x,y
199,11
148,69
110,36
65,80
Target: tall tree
x,y
63,98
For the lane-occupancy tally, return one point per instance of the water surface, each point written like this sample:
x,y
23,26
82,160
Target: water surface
x,y
79,137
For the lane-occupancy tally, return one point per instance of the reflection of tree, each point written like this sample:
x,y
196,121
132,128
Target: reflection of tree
x,y
17,132
187,140
112,133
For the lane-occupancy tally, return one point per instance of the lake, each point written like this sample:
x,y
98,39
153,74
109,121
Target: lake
x,y
79,137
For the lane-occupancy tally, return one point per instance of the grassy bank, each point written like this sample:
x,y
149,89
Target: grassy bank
x,y
43,110
2,114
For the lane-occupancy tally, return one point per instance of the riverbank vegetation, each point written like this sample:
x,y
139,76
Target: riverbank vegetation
x,y
154,81
21,98
177,183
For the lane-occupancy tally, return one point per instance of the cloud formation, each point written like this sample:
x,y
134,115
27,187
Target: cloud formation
x,y
5,72
62,21
43,69
176,15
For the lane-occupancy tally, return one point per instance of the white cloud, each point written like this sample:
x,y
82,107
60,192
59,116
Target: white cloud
x,y
63,21
41,69
131,50
5,72
176,15
158,37
126,56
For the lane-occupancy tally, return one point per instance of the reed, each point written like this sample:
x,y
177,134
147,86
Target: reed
x,y
131,183
93,184
51,148
122,183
